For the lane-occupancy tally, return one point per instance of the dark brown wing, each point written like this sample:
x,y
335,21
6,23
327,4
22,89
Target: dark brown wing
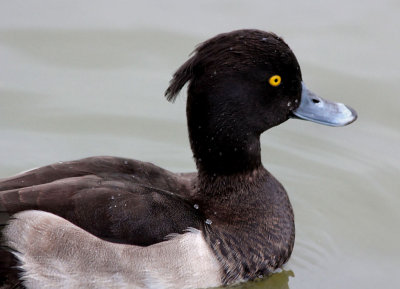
x,y
126,200
136,171
106,206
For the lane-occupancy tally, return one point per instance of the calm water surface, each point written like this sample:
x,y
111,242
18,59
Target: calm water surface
x,y
82,78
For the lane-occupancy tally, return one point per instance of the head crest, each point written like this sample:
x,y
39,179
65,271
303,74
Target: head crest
x,y
205,53
181,76
238,49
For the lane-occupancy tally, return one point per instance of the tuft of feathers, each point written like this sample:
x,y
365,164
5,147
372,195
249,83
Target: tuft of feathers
x,y
181,76
223,50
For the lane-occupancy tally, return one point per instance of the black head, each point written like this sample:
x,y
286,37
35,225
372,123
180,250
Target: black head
x,y
240,84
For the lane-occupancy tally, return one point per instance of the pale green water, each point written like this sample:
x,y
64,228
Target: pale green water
x,y
81,78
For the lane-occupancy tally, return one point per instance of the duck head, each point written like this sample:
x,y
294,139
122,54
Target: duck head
x,y
242,83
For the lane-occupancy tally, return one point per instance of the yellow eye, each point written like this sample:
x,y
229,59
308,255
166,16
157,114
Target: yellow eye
x,y
275,80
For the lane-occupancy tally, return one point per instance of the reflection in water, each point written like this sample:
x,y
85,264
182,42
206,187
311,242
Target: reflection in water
x,y
275,281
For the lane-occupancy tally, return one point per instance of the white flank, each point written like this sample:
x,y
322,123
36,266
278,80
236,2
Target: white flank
x,y
55,253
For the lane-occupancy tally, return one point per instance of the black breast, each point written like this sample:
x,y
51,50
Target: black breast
x,y
250,225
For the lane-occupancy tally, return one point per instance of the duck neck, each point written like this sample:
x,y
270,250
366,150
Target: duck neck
x,y
217,154
222,146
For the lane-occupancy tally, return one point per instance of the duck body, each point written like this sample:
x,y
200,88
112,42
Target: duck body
x,y
94,194
145,227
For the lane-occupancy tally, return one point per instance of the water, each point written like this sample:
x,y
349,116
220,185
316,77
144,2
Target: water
x,y
82,78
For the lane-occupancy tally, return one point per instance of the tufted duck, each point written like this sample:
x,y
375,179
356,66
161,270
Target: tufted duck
x,y
107,222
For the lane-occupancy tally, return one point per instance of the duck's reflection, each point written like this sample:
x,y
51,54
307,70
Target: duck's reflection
x,y
275,281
